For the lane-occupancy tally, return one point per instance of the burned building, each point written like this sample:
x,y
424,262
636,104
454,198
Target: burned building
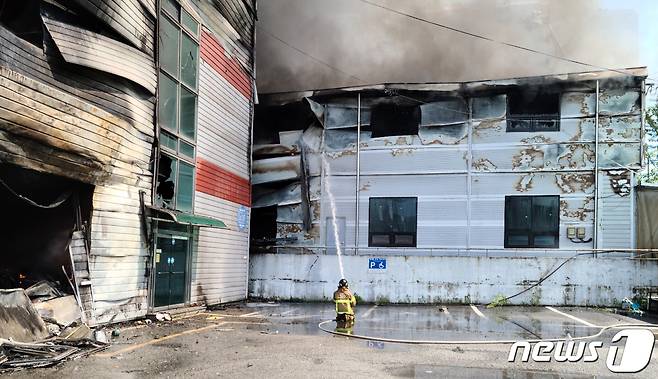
x,y
125,132
457,192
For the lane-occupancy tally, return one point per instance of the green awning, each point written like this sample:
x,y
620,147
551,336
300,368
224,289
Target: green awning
x,y
185,218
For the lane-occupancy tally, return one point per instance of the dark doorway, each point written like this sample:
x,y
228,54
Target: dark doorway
x,y
39,214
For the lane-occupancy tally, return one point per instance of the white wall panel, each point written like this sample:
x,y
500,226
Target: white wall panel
x,y
223,123
219,272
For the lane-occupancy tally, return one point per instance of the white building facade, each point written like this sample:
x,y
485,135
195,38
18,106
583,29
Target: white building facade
x,y
465,190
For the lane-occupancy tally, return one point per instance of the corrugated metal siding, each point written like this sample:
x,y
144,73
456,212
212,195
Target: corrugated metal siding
x,y
83,47
128,18
231,27
461,206
88,114
223,122
220,265
213,53
216,181
616,215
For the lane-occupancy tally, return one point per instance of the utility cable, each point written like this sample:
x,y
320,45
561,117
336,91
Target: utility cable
x,y
317,60
61,199
486,342
489,39
541,280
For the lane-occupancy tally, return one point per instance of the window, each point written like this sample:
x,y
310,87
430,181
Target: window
x,y
394,120
392,221
533,111
532,221
177,103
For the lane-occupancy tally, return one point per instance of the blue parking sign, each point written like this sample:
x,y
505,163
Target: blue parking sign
x,y
376,263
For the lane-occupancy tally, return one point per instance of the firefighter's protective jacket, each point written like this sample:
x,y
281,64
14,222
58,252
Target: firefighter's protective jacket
x,y
345,301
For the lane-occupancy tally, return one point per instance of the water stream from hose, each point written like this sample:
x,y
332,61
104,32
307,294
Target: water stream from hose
x,y
332,204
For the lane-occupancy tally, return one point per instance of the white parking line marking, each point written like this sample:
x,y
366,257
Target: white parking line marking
x,y
477,311
580,320
288,312
252,314
369,311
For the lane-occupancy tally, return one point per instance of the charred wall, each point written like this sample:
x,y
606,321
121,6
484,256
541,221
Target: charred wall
x,y
475,144
77,105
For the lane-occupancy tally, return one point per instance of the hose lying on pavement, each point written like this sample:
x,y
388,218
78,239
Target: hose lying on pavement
x,y
484,342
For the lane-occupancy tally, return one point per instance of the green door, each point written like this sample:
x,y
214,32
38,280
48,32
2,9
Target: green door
x,y
170,265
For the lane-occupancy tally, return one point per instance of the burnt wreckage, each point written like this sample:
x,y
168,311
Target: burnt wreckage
x,y
519,166
124,151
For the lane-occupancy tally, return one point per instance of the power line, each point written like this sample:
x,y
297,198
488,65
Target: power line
x,y
324,63
318,60
489,39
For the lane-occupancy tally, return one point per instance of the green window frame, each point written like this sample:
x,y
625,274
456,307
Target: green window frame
x,y
178,46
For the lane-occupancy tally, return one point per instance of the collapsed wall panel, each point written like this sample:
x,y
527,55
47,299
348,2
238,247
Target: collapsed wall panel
x,y
84,124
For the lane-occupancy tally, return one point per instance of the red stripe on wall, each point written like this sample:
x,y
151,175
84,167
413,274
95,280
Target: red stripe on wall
x,y
229,68
216,181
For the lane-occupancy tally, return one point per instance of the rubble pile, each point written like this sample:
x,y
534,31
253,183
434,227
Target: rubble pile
x,y
21,355
41,326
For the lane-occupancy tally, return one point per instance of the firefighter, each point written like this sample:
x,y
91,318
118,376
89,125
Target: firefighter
x,y
345,303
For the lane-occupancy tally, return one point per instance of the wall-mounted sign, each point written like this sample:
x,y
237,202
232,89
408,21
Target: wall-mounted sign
x,y
243,218
377,264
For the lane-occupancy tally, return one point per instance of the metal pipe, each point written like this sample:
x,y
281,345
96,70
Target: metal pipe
x,y
596,170
358,173
469,162
642,131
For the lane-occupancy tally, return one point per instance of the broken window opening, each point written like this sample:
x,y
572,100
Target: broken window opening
x,y
270,121
533,111
175,185
532,221
394,120
392,221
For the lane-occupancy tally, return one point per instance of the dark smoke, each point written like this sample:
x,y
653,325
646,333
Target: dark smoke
x,y
378,46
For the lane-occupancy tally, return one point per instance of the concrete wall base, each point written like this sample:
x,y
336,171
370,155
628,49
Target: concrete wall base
x,y
584,281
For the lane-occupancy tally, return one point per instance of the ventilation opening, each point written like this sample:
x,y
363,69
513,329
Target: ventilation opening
x,y
533,111
394,120
40,213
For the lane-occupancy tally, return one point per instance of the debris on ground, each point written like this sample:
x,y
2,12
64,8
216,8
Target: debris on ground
x,y
23,355
62,311
19,320
100,336
630,307
77,333
160,317
42,327
498,301
43,291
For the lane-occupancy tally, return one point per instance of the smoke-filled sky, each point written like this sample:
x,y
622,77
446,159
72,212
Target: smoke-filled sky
x,y
367,44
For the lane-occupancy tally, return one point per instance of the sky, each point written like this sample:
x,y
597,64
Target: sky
x,y
647,13
378,46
